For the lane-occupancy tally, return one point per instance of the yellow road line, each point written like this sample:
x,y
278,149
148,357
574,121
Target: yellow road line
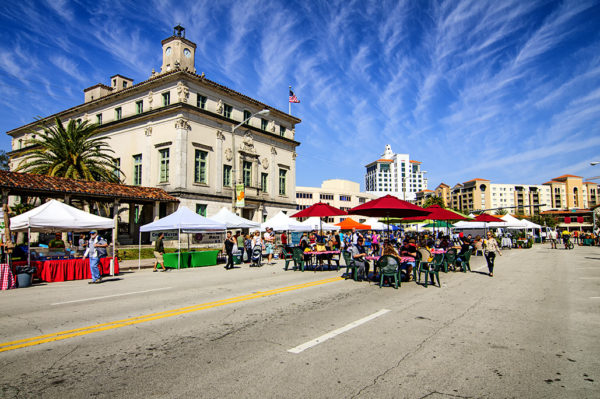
x,y
23,343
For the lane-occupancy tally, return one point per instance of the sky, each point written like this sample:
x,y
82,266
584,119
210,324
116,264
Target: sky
x,y
503,90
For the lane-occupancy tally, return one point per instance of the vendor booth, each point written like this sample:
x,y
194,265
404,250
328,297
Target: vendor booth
x,y
54,217
185,221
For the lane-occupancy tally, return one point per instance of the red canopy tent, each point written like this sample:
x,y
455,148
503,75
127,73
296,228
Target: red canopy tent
x,y
437,213
349,224
484,217
320,209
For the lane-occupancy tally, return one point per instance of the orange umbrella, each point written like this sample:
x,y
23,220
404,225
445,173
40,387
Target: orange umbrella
x,y
349,224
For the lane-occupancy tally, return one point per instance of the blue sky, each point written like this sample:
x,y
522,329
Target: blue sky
x,y
503,90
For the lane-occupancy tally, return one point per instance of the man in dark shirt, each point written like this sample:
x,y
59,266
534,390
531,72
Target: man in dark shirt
x,y
228,246
159,251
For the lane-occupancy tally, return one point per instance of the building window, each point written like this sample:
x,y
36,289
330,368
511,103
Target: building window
x,y
326,197
124,85
247,173
139,107
118,113
227,109
226,175
345,198
137,169
200,166
163,174
282,131
263,124
117,169
264,178
166,99
282,181
201,209
247,115
201,101
99,119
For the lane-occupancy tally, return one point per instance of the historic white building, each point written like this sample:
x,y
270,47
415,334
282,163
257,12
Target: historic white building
x,y
174,131
395,174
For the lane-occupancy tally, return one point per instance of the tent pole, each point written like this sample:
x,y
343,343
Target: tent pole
x,y
179,256
29,247
140,251
112,265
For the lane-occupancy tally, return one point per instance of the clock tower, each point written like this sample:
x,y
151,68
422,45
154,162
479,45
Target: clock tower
x,y
178,52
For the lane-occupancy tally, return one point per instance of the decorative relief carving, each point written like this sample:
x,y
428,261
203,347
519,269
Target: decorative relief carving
x,y
265,163
182,92
293,133
182,124
273,151
271,126
247,143
220,135
294,155
220,107
148,131
228,154
150,99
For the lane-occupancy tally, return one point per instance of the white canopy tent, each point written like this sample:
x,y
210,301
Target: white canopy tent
x,y
55,216
511,222
316,224
183,220
282,222
233,221
376,224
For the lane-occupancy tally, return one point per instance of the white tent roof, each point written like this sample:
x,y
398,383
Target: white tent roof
x,y
282,222
472,225
233,221
185,220
55,216
511,223
315,224
530,224
376,224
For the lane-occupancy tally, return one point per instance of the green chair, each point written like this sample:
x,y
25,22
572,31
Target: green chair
x,y
450,259
388,267
288,257
466,261
350,265
432,269
298,258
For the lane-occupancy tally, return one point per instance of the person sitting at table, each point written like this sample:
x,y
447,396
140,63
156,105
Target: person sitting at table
x,y
57,242
358,253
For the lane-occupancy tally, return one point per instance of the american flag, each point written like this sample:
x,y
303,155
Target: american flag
x,y
293,98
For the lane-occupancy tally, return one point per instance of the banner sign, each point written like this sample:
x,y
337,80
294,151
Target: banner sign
x,y
240,196
295,237
169,235
208,237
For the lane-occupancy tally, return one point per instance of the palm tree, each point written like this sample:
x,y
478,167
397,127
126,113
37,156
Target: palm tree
x,y
501,211
71,152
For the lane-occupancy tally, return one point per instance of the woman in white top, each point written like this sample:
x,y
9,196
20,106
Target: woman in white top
x,y
256,240
490,250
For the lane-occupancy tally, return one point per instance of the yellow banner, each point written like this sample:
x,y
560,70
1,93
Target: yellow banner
x,y
240,196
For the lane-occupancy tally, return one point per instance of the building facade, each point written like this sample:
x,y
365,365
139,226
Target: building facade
x,y
342,194
395,174
174,131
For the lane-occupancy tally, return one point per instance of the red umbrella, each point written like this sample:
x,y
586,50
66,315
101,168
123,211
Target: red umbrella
x,y
484,217
320,209
437,213
388,206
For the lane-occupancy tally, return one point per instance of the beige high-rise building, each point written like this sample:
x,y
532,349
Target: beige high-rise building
x,y
174,131
342,194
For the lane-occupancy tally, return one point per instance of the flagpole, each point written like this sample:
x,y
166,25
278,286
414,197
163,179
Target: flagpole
x,y
290,104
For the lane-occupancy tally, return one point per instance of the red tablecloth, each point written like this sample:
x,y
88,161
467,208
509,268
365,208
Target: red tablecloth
x,y
68,269
7,279
403,259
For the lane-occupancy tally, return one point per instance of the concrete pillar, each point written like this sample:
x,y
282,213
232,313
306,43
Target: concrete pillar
x,y
156,211
180,157
217,171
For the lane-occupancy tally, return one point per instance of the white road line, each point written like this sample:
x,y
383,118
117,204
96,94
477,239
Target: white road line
x,y
110,296
589,278
339,331
595,297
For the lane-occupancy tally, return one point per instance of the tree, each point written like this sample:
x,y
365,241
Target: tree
x,y
71,152
545,220
501,211
4,158
433,200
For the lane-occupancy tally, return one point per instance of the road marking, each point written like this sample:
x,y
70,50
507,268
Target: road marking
x,y
23,343
339,331
110,296
595,297
589,278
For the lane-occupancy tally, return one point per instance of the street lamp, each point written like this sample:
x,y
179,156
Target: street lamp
x,y
233,170
594,163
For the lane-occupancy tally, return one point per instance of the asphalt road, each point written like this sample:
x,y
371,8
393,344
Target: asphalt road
x,y
531,331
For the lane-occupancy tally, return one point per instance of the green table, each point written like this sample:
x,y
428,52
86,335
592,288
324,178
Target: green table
x,y
203,258
172,261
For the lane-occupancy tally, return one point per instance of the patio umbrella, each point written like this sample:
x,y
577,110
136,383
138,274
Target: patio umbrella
x,y
437,213
320,209
349,224
485,218
388,206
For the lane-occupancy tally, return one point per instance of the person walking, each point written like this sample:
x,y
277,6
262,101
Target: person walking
x,y
269,239
96,249
490,250
553,237
159,251
228,248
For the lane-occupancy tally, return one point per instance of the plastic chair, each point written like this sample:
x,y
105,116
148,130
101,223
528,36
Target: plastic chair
x,y
285,255
388,267
350,265
465,261
432,269
450,259
298,258
478,248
